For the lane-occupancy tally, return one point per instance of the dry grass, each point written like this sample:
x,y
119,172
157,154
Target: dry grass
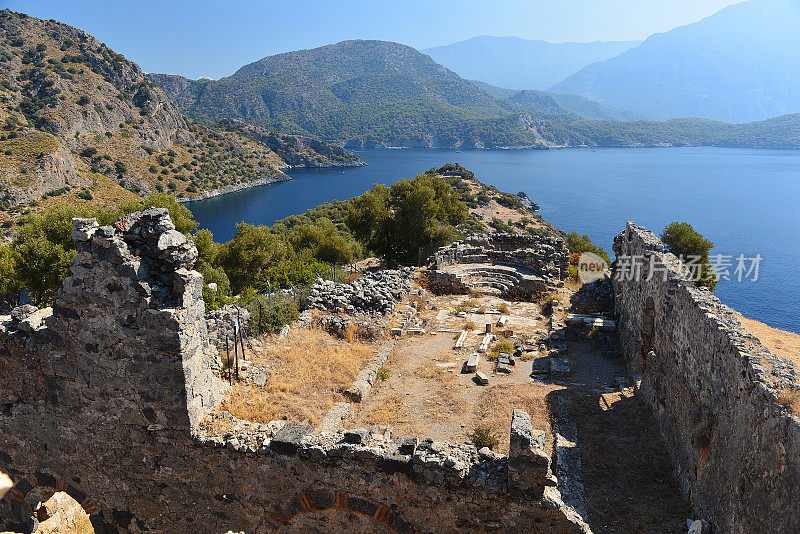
x,y
779,342
497,403
791,399
307,371
386,411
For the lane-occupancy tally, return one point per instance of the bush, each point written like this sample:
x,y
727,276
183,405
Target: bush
x,y
274,317
88,152
578,244
484,436
503,347
684,241
85,194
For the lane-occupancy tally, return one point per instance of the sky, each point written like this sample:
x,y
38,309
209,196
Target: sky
x,y
197,38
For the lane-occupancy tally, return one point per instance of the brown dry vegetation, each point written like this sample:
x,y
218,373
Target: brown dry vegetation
x,y
307,371
496,404
779,342
791,399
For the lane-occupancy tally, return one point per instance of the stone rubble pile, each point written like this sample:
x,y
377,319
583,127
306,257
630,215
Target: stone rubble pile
x,y
374,293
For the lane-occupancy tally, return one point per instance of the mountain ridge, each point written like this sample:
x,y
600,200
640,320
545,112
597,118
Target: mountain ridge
x,y
739,65
82,124
382,94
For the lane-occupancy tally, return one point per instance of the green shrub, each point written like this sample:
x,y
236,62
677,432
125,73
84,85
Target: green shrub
x,y
484,436
684,241
273,317
88,152
578,244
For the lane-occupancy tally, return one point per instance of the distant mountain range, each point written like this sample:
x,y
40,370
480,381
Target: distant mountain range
x,y
740,64
377,93
519,63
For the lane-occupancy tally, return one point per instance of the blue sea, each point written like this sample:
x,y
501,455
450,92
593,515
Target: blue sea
x,y
746,201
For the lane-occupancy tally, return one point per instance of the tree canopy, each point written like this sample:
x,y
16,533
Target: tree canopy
x,y
687,243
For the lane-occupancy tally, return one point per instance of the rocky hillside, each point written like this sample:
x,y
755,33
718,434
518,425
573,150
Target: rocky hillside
x,y
361,93
80,123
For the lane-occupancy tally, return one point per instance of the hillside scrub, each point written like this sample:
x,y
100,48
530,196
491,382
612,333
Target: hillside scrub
x,y
394,222
577,244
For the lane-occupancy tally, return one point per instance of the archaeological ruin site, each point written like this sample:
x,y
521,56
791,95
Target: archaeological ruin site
x,y
483,392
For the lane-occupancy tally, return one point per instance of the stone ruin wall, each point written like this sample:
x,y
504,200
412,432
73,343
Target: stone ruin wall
x,y
103,399
545,257
713,390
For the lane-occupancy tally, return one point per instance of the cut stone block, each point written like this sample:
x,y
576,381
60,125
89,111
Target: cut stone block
x,y
471,365
481,378
461,338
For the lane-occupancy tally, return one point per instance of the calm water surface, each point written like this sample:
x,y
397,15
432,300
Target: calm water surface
x,y
745,201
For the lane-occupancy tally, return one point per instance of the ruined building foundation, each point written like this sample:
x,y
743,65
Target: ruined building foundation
x,y
107,397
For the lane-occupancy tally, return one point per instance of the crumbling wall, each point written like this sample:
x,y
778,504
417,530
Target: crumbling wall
x,y
108,399
713,390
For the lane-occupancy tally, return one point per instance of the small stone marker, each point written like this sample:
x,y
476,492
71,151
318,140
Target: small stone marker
x,y
471,365
485,343
460,340
503,368
488,328
481,379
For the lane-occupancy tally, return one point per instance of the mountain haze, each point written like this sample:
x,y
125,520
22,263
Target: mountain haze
x,y
741,64
519,63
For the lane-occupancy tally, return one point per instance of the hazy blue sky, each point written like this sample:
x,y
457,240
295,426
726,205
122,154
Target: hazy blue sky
x,y
200,38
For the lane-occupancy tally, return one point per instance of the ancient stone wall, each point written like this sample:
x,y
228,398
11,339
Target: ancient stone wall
x,y
108,398
713,389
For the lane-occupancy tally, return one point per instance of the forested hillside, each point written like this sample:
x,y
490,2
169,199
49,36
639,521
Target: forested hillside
x,y
80,124
361,93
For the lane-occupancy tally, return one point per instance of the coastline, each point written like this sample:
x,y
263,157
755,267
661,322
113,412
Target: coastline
x,y
278,177
274,179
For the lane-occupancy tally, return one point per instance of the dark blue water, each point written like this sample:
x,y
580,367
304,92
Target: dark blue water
x,y
745,201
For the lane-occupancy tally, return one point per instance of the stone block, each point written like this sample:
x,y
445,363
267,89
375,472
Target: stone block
x,y
481,378
471,365
288,439
356,435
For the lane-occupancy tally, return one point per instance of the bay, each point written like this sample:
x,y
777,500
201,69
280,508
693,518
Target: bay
x,y
746,201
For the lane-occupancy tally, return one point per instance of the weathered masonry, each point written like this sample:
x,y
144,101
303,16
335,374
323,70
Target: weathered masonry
x,y
107,396
713,389
507,264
